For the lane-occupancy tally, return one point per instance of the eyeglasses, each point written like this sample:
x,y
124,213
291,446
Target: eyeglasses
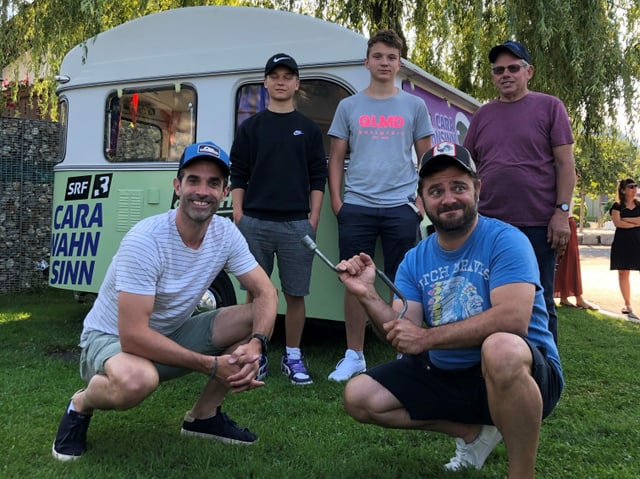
x,y
632,186
515,68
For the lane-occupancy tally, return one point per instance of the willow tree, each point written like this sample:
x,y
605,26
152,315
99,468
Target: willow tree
x,y
36,34
586,52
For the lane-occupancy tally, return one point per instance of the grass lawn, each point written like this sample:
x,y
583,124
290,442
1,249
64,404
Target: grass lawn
x,y
304,432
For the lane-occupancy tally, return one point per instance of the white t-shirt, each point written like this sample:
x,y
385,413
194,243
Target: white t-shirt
x,y
153,260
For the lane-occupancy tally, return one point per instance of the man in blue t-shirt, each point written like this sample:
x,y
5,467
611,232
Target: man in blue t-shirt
x,y
479,362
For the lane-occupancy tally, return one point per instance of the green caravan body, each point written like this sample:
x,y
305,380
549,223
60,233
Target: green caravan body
x,y
134,96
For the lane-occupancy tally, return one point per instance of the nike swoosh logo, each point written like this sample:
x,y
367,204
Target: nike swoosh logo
x,y
297,133
277,59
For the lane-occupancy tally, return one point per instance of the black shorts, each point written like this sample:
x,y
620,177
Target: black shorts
x,y
360,226
430,393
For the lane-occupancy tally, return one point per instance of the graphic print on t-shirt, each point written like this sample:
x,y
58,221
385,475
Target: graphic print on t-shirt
x,y
453,299
381,127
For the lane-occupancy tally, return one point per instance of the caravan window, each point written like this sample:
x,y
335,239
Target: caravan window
x,y
316,99
63,115
151,124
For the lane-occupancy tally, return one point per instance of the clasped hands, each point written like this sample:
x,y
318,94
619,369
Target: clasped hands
x,y
239,369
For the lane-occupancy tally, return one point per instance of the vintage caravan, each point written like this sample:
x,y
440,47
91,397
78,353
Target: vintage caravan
x,y
133,97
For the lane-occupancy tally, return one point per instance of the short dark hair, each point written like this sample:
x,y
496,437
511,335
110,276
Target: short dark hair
x,y
388,37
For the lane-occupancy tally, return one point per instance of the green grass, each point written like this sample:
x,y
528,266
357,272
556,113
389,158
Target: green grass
x,y
304,432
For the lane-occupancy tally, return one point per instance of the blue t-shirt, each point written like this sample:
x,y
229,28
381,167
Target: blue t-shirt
x,y
455,285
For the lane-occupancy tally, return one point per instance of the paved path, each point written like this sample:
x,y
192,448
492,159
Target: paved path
x,y
600,285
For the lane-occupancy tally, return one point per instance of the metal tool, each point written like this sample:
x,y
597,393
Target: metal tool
x,y
313,247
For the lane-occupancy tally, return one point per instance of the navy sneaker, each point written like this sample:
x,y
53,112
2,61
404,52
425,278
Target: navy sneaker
x,y
295,370
71,439
263,368
219,427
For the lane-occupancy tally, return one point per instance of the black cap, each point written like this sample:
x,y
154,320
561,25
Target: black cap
x,y
206,150
447,151
515,48
281,59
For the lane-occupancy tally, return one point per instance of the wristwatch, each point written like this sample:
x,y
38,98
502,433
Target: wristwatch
x,y
563,206
263,341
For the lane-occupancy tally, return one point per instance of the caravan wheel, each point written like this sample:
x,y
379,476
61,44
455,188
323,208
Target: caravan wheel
x,y
219,294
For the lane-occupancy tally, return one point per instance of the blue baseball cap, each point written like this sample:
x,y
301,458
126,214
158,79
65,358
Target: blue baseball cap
x,y
515,48
206,150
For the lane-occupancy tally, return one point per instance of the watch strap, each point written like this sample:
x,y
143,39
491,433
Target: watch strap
x,y
263,341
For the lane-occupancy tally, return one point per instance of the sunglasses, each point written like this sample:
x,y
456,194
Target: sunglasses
x,y
515,68
632,186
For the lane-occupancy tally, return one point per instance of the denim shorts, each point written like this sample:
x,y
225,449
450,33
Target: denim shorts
x,y
429,393
283,240
195,334
360,226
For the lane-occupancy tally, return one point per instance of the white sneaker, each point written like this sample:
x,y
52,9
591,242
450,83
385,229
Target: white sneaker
x,y
348,366
476,452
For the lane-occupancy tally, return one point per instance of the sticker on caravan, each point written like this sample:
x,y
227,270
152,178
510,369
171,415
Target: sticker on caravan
x,y
77,188
101,186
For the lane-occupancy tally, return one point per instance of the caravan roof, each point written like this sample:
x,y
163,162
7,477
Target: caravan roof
x,y
203,40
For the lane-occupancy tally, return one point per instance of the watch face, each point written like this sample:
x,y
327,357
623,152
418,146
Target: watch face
x,y
564,207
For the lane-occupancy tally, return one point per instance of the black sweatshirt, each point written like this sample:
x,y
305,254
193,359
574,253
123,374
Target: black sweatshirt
x,y
278,159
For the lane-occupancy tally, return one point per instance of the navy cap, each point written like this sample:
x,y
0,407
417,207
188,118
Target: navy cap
x,y
447,151
206,150
515,48
281,59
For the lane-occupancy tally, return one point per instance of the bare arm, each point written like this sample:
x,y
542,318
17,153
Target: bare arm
x,y
558,230
136,337
624,223
511,309
422,146
265,301
359,275
512,305
237,198
336,172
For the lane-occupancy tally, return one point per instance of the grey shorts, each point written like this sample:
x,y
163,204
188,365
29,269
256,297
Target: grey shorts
x,y
194,334
282,239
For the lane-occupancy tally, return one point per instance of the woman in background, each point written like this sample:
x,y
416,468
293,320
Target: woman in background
x,y
568,280
625,249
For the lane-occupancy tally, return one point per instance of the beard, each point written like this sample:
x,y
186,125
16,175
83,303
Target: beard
x,y
459,225
198,215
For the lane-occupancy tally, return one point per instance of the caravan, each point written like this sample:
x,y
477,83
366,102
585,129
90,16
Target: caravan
x,y
133,97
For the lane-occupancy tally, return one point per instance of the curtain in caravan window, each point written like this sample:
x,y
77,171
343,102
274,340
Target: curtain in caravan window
x,y
153,124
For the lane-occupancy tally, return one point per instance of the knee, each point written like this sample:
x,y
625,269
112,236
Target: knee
x,y
354,400
137,385
505,357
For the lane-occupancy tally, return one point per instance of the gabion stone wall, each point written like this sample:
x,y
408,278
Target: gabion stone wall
x,y
28,152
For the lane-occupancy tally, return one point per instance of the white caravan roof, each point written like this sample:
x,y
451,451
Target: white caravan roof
x,y
203,40
217,40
